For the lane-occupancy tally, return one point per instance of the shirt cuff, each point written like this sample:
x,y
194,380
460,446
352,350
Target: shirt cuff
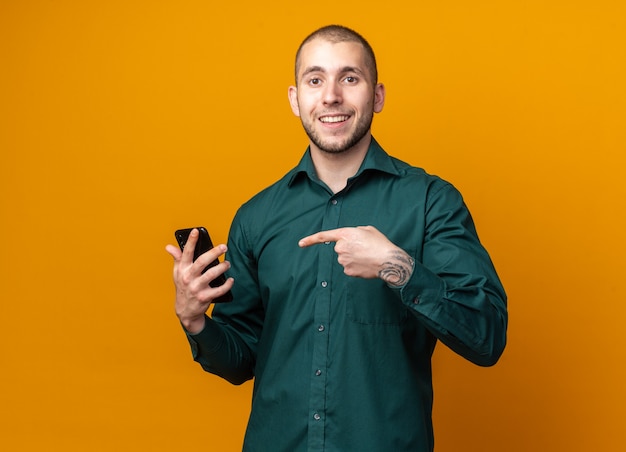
x,y
206,341
424,290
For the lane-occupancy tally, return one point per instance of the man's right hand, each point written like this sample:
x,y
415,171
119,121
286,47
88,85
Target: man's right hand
x,y
193,293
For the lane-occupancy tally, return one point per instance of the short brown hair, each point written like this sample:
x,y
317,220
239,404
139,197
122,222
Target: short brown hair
x,y
339,33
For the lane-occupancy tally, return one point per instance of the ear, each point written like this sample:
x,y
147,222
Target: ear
x,y
379,97
293,100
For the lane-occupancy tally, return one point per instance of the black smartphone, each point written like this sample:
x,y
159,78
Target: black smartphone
x,y
203,245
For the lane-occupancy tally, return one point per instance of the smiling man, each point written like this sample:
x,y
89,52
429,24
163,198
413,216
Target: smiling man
x,y
344,275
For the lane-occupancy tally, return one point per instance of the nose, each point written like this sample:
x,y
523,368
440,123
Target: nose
x,y
332,94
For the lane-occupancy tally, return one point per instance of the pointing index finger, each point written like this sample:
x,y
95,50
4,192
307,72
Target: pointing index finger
x,y
331,235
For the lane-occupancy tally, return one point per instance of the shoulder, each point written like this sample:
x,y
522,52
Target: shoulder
x,y
404,174
268,195
257,213
416,178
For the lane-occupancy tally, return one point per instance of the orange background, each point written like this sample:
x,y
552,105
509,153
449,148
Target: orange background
x,y
123,120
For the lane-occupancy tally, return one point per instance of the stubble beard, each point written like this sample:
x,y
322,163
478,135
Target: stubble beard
x,y
362,128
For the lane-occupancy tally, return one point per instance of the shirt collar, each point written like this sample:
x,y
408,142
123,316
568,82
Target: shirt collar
x,y
376,159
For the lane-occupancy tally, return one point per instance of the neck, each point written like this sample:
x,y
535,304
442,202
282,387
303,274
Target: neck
x,y
334,169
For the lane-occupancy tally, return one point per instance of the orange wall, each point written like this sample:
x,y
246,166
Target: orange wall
x,y
123,120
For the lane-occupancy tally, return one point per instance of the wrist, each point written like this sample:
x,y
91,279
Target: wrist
x,y
397,269
193,325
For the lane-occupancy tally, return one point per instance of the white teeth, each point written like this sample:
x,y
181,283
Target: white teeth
x,y
334,118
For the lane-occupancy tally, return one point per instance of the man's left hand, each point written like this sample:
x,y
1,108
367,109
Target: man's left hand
x,y
365,252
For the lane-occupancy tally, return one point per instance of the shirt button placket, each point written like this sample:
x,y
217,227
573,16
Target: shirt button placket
x,y
327,260
320,359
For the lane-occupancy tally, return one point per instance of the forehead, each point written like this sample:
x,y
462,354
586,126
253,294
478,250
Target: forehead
x,y
331,57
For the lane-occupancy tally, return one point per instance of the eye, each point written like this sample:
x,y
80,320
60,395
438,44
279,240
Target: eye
x,y
315,81
351,80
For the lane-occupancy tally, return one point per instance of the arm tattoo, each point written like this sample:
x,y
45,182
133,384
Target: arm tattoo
x,y
397,271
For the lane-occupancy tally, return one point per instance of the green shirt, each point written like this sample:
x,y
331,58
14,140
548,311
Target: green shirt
x,y
343,363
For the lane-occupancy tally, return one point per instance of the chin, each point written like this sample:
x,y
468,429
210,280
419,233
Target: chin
x,y
334,148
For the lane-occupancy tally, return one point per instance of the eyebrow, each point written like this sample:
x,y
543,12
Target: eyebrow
x,y
343,70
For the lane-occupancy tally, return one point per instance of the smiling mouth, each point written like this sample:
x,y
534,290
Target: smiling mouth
x,y
334,119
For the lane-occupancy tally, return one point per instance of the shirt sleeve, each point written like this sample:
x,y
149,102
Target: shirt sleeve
x,y
454,288
227,345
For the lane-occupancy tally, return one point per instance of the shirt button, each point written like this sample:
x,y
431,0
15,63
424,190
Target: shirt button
x,y
334,202
416,300
317,417
318,372
320,328
324,284
326,243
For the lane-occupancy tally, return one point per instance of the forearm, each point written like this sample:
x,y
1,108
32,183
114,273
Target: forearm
x,y
222,352
468,315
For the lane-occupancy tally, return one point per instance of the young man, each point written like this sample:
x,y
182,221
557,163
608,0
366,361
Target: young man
x,y
344,274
